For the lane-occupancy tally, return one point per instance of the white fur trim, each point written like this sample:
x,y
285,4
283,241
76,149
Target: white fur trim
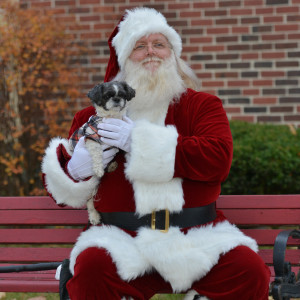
x,y
140,22
153,149
180,258
150,168
57,273
157,196
59,184
121,246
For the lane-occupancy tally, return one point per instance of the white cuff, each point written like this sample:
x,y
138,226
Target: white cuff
x,y
57,273
152,156
63,189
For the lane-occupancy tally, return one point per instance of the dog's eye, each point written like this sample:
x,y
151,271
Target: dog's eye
x,y
122,95
107,96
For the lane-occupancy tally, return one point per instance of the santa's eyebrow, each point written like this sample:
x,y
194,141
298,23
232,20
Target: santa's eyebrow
x,y
157,41
165,42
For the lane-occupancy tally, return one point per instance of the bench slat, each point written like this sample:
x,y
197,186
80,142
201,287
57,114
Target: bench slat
x,y
43,217
59,254
263,216
293,256
38,236
78,217
66,236
258,201
22,254
294,269
224,201
29,285
268,236
24,275
35,202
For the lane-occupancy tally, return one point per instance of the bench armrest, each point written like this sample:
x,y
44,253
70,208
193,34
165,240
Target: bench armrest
x,y
285,284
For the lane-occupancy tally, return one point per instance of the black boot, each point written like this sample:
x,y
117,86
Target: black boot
x,y
199,297
65,276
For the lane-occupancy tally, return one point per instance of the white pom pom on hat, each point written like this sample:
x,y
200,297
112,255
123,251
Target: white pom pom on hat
x,y
141,22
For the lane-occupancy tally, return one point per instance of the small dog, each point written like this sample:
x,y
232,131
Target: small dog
x,y
110,101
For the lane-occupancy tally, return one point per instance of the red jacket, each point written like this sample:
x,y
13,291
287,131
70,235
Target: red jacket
x,y
170,166
203,153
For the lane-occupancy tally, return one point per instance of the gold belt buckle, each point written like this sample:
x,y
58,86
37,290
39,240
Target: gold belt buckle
x,y
167,221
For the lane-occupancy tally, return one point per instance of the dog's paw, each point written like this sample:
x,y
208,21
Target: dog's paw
x,y
94,218
112,166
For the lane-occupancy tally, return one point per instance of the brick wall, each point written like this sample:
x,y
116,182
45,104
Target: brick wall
x,y
245,51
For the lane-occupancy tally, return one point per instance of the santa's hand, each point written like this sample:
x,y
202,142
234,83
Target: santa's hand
x,y
108,154
80,165
116,133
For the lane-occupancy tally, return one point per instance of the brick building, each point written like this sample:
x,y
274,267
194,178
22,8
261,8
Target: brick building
x,y
246,52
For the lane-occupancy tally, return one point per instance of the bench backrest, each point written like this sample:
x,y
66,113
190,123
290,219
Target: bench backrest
x,y
35,229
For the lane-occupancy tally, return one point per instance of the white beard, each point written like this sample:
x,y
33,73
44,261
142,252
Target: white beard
x,y
154,91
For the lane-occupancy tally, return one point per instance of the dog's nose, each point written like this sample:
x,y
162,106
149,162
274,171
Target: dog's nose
x,y
117,100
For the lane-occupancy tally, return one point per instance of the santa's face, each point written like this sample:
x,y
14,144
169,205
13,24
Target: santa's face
x,y
150,51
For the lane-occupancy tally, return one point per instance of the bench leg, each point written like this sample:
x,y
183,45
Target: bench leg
x,y
65,276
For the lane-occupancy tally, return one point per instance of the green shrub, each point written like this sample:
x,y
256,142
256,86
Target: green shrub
x,y
266,160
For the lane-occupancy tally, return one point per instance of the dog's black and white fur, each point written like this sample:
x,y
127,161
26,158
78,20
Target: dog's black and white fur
x,y
110,101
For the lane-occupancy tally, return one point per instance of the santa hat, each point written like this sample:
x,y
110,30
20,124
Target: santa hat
x,y
135,24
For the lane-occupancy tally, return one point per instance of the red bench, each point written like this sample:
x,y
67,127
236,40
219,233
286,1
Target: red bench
x,y
36,230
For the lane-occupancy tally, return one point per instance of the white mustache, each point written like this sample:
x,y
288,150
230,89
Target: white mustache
x,y
150,59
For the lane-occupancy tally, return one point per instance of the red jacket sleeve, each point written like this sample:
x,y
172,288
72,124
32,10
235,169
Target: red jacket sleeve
x,y
204,149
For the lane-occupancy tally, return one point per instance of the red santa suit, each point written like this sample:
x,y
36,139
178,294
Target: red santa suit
x,y
174,165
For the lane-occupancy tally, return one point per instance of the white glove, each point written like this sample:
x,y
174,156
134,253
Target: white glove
x,y
80,165
116,133
108,154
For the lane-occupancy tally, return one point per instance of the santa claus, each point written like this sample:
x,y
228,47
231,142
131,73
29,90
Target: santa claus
x,y
160,230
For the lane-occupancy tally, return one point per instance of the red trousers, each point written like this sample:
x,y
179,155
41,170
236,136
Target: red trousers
x,y
239,275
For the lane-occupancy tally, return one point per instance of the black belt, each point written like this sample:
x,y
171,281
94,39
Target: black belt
x,y
161,219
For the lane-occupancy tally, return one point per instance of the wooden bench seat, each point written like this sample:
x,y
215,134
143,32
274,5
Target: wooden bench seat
x,y
35,230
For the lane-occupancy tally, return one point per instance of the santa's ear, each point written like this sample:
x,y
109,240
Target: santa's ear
x,y
129,90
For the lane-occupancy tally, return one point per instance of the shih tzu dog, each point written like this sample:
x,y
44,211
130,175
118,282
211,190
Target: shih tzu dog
x,y
110,101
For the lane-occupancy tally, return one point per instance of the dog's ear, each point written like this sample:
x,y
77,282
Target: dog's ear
x,y
91,93
129,90
96,92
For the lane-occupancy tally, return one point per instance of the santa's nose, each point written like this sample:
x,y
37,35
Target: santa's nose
x,y
150,50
